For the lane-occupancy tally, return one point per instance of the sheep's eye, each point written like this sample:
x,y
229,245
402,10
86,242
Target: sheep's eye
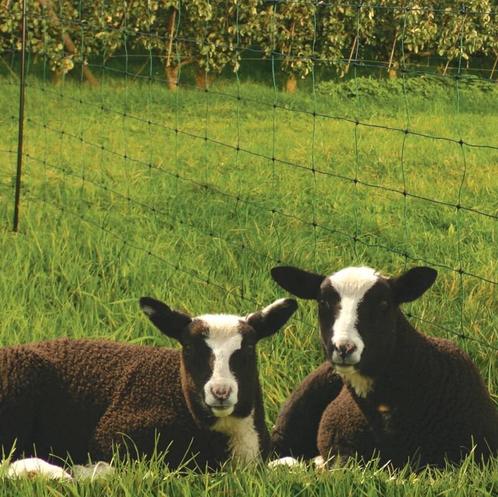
x,y
325,304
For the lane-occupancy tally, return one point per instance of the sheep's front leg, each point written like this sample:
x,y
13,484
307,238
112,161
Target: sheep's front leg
x,y
296,428
124,432
143,433
344,431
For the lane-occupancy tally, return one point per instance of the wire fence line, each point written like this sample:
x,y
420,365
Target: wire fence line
x,y
311,167
199,276
275,105
312,170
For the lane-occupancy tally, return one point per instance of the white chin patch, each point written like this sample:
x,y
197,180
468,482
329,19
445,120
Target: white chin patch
x,y
362,385
222,412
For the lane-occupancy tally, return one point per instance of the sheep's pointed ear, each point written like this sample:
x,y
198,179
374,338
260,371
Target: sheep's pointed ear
x,y
303,284
270,319
169,322
413,284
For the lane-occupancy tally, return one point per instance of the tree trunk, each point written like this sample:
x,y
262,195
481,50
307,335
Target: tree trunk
x,y
351,53
203,79
171,74
57,76
391,69
494,67
291,84
68,43
445,70
90,78
170,70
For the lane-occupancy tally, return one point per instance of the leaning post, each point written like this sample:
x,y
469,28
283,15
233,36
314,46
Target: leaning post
x,y
20,136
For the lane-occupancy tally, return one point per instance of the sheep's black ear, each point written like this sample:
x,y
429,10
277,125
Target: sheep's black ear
x,y
300,283
413,284
270,319
170,322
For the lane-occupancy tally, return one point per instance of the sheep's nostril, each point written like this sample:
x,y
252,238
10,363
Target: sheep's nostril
x,y
221,392
345,349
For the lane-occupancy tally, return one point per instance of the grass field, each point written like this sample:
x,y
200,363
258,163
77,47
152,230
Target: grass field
x,y
192,197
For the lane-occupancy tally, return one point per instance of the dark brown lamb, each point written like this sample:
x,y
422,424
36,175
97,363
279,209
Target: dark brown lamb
x,y
387,390
200,405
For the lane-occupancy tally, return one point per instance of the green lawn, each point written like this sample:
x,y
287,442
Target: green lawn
x,y
117,204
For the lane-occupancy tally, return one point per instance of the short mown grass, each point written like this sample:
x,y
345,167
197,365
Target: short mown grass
x,y
192,197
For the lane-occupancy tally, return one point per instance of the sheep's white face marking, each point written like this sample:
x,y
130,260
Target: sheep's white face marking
x,y
351,284
224,339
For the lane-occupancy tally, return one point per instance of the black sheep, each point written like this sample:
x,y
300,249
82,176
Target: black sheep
x,y
200,405
406,397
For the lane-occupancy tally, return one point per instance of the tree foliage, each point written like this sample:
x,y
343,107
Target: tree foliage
x,y
212,34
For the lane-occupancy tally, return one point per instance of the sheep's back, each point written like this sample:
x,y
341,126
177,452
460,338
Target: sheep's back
x,y
92,370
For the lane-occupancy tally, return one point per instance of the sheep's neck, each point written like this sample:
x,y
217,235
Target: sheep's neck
x,y
409,361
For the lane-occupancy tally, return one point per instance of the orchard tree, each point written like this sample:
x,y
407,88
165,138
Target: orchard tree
x,y
288,30
403,29
66,32
342,30
463,29
219,39
155,24
207,34
491,40
211,34
88,29
43,36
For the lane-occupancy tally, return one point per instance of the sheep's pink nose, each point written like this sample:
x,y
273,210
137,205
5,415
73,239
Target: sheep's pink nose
x,y
345,349
221,392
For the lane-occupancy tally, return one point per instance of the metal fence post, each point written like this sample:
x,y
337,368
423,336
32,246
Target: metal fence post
x,y
21,117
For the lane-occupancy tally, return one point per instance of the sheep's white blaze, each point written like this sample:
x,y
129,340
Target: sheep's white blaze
x,y
223,339
242,435
351,284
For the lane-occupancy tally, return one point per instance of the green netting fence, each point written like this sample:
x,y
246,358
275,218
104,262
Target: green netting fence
x,y
222,138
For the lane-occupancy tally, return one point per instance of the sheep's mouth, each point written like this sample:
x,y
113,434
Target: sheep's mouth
x,y
222,410
345,365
